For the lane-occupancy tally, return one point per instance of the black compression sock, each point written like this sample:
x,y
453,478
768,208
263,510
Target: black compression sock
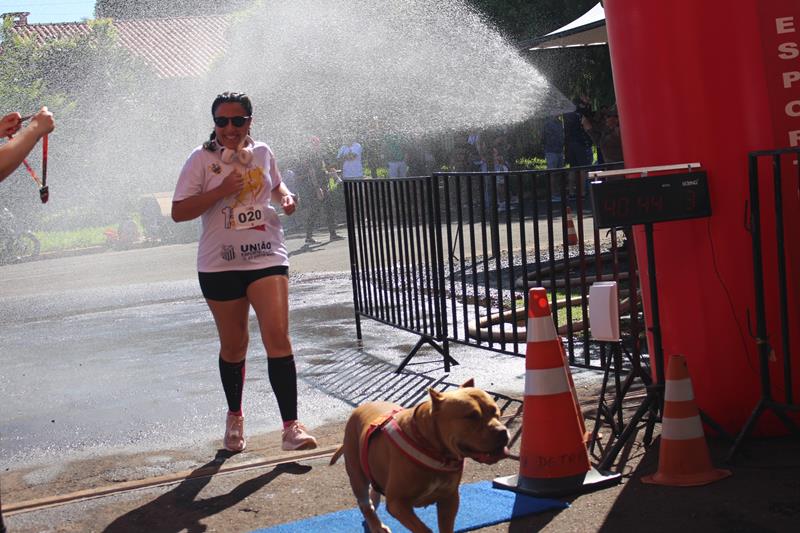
x,y
232,375
283,378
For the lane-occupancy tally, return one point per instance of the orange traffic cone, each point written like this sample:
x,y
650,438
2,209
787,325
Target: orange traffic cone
x,y
553,456
683,459
574,392
572,236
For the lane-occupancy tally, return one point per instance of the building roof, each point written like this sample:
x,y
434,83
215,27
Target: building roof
x,y
179,47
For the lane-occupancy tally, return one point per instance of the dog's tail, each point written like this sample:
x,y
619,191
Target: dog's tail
x,y
338,453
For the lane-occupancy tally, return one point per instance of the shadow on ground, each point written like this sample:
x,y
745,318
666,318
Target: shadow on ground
x,y
761,495
355,376
184,510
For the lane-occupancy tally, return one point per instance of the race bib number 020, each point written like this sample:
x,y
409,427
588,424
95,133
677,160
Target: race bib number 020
x,y
248,216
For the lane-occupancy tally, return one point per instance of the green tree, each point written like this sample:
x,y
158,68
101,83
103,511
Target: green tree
x,y
98,94
21,86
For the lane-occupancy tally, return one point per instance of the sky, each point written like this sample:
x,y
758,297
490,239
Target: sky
x,y
51,10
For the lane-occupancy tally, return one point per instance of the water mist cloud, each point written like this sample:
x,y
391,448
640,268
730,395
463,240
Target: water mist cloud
x,y
354,68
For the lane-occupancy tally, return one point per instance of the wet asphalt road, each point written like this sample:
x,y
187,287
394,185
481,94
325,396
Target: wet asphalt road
x,y
116,352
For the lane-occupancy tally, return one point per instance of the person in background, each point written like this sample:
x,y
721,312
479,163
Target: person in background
x,y
577,143
506,149
396,156
604,130
315,193
553,140
242,259
459,159
477,151
350,157
17,148
499,165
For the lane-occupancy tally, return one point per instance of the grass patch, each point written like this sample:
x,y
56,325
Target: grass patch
x,y
53,241
577,310
577,314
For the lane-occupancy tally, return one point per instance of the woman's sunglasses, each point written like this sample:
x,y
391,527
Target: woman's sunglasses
x,y
221,122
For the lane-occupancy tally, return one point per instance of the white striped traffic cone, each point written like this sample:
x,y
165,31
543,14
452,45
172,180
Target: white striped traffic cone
x,y
553,456
683,458
572,235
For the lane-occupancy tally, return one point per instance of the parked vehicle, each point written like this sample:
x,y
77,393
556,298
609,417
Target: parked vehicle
x,y
154,215
16,242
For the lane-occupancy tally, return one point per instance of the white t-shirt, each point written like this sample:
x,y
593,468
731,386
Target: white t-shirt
x,y
259,242
351,168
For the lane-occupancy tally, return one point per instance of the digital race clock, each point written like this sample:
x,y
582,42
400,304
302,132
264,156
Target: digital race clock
x,y
626,202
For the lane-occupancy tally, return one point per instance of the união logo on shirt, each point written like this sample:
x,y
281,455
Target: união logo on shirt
x,y
228,252
253,251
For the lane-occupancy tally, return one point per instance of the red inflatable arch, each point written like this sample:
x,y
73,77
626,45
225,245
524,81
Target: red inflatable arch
x,y
710,81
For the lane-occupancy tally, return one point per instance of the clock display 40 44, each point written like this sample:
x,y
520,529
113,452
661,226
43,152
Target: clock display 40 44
x,y
627,202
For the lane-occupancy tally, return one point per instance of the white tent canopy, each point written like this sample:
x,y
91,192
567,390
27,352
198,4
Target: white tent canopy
x,y
587,30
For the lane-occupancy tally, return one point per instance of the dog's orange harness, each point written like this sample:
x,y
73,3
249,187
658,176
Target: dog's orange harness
x,y
407,445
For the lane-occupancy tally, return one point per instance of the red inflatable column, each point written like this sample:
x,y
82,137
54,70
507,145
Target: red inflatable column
x,y
710,81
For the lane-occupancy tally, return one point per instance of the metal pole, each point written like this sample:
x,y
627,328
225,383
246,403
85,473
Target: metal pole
x,y
655,328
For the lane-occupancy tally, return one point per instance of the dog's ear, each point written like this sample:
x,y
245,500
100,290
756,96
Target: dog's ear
x,y
436,396
469,383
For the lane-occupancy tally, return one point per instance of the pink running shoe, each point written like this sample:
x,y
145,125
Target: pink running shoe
x,y
295,437
234,433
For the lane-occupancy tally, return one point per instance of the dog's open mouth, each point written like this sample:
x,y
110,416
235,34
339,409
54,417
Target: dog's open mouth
x,y
489,458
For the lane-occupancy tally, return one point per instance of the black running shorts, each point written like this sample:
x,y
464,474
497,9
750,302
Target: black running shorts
x,y
232,284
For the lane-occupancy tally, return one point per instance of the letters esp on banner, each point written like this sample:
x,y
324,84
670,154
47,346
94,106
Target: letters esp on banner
x,y
780,35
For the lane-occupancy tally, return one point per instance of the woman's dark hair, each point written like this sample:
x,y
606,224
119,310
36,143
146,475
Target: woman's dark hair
x,y
224,98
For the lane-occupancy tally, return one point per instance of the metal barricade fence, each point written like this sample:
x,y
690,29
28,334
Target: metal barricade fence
x,y
394,256
451,257
777,397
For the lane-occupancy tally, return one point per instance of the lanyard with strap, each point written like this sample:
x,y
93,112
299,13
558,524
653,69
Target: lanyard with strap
x,y
44,193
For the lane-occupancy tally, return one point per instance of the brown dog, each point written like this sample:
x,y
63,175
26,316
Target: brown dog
x,y
415,456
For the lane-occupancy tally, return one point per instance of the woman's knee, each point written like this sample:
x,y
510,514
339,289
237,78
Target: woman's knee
x,y
276,341
277,345
234,350
231,318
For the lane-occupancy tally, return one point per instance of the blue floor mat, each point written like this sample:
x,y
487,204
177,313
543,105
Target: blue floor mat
x,y
481,506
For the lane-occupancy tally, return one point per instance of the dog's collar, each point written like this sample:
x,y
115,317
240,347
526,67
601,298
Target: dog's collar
x,y
415,451
425,443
